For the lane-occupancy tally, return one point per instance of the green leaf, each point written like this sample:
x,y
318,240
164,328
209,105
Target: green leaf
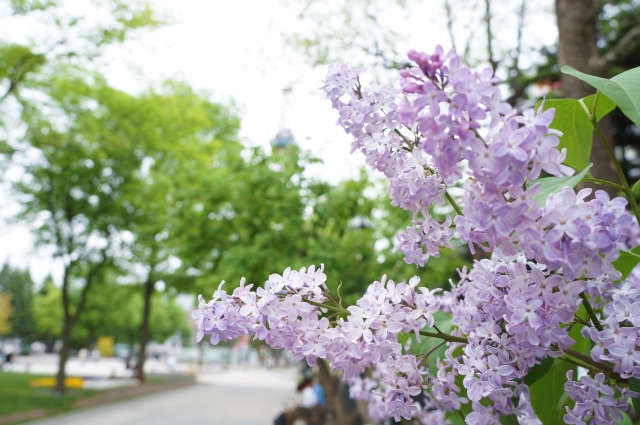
x,y
572,119
552,185
627,261
403,338
538,371
626,420
636,190
581,344
577,132
454,418
465,409
623,89
634,385
547,394
444,322
509,419
605,105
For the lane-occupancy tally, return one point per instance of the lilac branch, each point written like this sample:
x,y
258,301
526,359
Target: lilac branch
x,y
328,307
590,312
453,203
445,337
424,357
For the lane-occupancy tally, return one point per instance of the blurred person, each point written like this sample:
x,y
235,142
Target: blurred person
x,y
37,348
310,410
171,362
83,353
308,393
320,395
8,349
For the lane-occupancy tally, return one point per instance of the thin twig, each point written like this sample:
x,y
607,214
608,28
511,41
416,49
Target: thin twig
x,y
447,9
453,203
590,312
445,337
579,363
487,20
425,356
328,307
599,181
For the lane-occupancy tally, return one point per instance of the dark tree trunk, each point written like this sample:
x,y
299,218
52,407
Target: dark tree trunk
x,y
144,327
48,343
64,353
335,399
577,47
70,319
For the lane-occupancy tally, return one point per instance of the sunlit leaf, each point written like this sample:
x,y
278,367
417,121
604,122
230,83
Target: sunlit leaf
x,y
623,89
604,106
572,120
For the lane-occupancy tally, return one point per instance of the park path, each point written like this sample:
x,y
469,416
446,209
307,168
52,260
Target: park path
x,y
233,397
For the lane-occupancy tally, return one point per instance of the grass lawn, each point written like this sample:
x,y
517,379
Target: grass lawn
x,y
17,396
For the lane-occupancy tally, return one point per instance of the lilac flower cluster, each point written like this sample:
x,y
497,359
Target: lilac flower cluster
x,y
595,402
548,265
374,388
425,136
286,314
518,305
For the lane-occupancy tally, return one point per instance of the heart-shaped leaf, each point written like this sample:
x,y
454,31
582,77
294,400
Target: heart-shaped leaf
x,y
623,89
604,106
572,120
552,185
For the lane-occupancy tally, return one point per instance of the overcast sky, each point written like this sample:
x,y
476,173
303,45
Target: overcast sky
x,y
235,50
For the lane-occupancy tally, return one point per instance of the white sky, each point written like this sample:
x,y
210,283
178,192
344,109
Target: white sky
x,y
235,50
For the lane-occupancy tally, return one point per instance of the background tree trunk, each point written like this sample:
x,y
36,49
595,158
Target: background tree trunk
x,y
144,327
577,47
335,398
64,353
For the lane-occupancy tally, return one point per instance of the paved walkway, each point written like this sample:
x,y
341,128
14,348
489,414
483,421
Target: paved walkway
x,y
235,397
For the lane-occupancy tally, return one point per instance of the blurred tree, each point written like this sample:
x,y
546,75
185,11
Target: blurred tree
x,y
352,28
67,32
48,312
77,154
189,143
578,48
71,185
360,31
115,310
6,311
280,218
19,285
